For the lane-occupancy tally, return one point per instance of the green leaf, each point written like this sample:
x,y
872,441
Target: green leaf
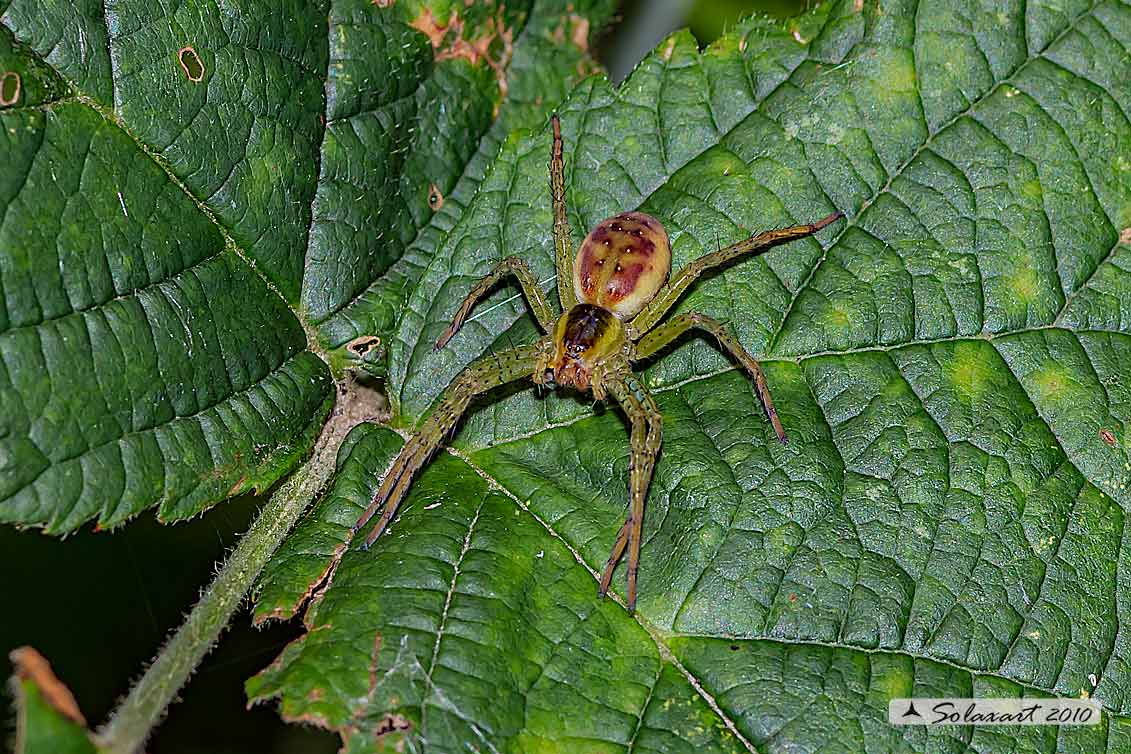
x,y
564,669
549,54
950,362
48,719
43,730
190,191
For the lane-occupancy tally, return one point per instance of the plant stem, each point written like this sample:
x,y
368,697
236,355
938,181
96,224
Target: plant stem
x,y
145,705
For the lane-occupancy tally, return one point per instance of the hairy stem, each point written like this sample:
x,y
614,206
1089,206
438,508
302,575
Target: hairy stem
x,y
145,705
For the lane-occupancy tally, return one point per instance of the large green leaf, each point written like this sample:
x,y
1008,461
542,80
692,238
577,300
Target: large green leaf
x,y
189,190
951,363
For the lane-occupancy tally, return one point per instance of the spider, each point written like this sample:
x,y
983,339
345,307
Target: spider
x,y
619,293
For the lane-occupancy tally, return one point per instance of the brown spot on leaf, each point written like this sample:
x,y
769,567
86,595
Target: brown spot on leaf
x,y
742,45
191,64
383,3
1125,236
373,660
857,5
237,486
580,35
448,42
9,88
577,27
432,28
435,198
308,716
667,53
1108,436
586,66
30,665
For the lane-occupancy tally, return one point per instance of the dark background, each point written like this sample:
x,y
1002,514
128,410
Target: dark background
x,y
99,606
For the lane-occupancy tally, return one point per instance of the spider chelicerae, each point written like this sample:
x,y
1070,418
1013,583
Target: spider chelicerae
x,y
619,293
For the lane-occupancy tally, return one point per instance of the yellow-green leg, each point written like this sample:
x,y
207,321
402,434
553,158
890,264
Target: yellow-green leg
x,y
480,376
677,326
759,244
509,266
645,441
563,242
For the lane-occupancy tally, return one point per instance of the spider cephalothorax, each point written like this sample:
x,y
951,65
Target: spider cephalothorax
x,y
620,290
585,338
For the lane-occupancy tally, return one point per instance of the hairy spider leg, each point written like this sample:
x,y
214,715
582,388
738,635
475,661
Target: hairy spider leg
x,y
646,437
510,265
759,244
563,240
678,325
480,376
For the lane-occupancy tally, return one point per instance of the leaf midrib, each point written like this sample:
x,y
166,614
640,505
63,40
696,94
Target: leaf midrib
x,y
112,118
110,115
661,638
986,337
662,648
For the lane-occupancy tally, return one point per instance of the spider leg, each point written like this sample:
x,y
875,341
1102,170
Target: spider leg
x,y
646,437
480,376
563,241
510,265
678,325
614,556
682,280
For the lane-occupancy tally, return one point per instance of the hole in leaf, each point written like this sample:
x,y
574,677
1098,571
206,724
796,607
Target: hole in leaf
x,y
9,88
364,344
390,723
191,64
435,198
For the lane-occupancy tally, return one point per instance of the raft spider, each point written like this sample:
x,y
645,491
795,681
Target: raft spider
x,y
620,291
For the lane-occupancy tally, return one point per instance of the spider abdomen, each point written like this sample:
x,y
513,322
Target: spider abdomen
x,y
622,263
